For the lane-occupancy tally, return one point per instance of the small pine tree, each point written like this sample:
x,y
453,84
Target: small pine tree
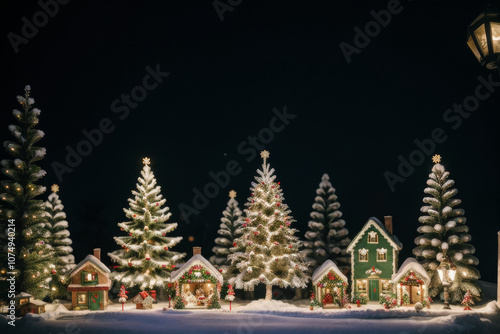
x,y
57,227
20,207
443,230
271,254
230,229
327,236
214,302
179,303
146,259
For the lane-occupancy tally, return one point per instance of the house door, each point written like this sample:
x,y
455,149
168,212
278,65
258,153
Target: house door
x,y
373,288
95,298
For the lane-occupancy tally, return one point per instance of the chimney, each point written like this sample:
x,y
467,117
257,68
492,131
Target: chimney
x,y
196,250
388,224
97,253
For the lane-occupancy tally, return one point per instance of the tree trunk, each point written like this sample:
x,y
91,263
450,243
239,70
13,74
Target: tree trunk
x,y
298,293
269,292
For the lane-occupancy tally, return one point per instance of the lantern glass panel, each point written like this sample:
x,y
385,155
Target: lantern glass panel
x,y
473,47
481,39
495,36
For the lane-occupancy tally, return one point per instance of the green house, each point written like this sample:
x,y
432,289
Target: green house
x,y
374,258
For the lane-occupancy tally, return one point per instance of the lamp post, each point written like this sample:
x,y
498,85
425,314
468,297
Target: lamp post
x,y
446,271
483,38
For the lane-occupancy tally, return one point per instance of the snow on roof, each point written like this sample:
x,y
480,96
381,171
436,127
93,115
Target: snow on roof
x,y
23,295
37,302
93,260
393,240
411,263
104,285
324,269
196,259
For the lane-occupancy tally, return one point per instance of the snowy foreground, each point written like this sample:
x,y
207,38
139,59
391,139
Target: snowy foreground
x,y
260,317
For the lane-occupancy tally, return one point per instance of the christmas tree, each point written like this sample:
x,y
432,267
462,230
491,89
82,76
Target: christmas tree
x,y
21,211
230,229
146,259
327,236
443,230
58,238
271,253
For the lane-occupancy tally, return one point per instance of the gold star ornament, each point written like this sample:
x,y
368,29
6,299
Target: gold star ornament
x,y
264,155
436,158
232,194
54,188
146,161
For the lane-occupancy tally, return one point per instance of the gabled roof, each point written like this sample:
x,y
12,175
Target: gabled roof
x,y
411,263
92,260
23,295
324,269
196,259
393,240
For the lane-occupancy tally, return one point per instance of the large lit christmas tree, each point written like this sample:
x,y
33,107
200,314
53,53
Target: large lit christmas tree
x,y
146,258
327,235
443,231
20,191
271,252
58,237
230,229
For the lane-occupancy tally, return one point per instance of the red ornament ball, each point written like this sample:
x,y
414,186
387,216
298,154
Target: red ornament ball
x,y
53,271
173,266
157,204
277,204
278,182
165,248
130,234
164,234
135,216
262,182
290,246
129,264
234,244
272,187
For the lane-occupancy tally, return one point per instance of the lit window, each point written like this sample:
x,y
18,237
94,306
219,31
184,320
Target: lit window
x,y
82,298
381,255
361,285
363,255
386,285
372,237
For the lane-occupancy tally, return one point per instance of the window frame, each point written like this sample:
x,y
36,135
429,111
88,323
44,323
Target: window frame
x,y
84,281
370,241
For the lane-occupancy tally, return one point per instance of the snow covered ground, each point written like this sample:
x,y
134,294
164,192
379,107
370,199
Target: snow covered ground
x,y
261,317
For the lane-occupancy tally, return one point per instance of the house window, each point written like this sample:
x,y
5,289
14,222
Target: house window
x,y
82,298
381,255
363,255
23,301
386,285
372,237
361,285
89,278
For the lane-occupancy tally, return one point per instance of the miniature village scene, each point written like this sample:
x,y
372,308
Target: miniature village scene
x,y
143,243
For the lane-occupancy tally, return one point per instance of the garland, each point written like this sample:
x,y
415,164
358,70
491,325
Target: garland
x,y
197,274
411,279
331,280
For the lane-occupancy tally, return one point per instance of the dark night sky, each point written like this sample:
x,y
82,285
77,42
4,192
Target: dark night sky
x,y
353,120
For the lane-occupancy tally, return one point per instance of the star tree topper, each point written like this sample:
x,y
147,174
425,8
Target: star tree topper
x,y
436,158
146,161
264,155
54,188
232,194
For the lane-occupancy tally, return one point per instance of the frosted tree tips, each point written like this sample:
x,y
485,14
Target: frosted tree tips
x,y
54,188
232,194
436,158
146,161
264,155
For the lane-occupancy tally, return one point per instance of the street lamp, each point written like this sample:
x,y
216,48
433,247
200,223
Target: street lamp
x,y
483,38
446,271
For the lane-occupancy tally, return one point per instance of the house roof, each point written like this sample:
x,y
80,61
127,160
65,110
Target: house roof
x,y
196,259
393,240
141,297
34,302
324,269
92,260
411,263
23,295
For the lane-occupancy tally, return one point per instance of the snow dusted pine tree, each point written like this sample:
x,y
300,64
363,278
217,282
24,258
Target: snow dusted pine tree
x,y
271,253
146,259
57,226
327,236
26,236
230,229
443,231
